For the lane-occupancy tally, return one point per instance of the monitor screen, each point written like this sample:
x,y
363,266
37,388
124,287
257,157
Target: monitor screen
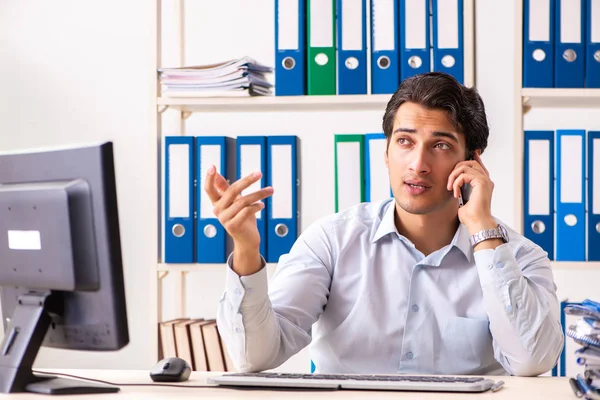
x,y
61,272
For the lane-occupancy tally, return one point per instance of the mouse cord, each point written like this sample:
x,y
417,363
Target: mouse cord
x,y
121,384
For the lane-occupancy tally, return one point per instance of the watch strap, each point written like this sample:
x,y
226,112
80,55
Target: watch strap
x,y
486,234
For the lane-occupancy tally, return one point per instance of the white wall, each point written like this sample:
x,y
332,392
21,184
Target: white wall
x,y
88,77
78,72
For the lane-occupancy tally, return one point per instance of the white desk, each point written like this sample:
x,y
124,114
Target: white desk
x,y
546,388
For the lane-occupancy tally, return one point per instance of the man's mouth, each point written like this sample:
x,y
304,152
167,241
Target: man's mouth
x,y
417,186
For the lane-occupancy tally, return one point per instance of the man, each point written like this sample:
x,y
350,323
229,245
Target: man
x,y
414,284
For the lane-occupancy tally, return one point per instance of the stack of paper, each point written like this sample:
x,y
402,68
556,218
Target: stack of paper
x,y
586,332
233,78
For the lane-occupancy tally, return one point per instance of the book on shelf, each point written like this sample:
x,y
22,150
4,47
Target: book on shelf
x,y
233,78
197,341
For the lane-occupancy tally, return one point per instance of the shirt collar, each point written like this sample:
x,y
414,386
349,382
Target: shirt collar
x,y
387,225
461,241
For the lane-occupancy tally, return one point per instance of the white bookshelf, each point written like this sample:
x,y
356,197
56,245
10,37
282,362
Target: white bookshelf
x,y
526,99
185,107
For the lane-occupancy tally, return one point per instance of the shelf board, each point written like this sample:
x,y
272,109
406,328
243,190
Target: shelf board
x,y
576,265
162,267
277,103
567,98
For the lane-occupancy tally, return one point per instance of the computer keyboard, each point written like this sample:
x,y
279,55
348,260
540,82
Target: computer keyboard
x,y
358,382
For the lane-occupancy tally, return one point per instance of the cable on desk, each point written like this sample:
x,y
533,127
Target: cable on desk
x,y
121,384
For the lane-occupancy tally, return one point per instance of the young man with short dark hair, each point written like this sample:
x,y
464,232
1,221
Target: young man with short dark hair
x,y
413,284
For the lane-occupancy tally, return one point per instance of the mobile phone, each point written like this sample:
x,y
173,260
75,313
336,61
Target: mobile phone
x,y
465,189
465,193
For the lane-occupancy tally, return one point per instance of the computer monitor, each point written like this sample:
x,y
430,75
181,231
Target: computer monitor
x,y
61,273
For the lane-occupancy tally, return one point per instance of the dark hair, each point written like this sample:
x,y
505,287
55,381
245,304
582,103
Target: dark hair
x,y
437,90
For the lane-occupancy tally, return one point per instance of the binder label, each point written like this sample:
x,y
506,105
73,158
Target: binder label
x,y
571,174
281,180
447,24
288,24
596,181
179,181
349,184
250,154
379,179
209,155
321,23
539,184
595,20
570,21
416,17
383,25
539,20
352,21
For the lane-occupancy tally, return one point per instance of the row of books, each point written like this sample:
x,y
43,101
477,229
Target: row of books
x,y
195,340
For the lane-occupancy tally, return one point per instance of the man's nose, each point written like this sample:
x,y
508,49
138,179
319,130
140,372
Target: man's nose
x,y
420,162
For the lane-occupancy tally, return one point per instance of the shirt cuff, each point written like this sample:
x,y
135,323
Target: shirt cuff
x,y
249,289
497,265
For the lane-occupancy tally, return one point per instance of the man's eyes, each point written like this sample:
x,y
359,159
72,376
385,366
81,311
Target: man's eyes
x,y
439,145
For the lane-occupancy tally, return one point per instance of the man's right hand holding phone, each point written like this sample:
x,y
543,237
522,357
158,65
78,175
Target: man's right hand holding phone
x,y
237,214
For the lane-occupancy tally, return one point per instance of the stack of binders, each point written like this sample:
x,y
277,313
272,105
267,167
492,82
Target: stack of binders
x,y
322,47
360,171
561,44
192,232
233,78
562,203
586,333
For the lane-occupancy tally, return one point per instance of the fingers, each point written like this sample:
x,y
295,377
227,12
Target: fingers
x,y
209,185
242,203
220,183
238,220
235,189
464,167
460,181
477,158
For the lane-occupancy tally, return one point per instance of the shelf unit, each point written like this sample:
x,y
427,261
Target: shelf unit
x,y
525,100
186,106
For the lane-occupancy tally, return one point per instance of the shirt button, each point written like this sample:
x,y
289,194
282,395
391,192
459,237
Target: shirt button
x,y
415,308
410,355
238,330
500,264
238,291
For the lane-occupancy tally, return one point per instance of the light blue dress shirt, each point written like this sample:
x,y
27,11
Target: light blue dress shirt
x,y
367,301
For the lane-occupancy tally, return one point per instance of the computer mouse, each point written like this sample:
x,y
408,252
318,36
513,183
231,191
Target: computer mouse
x,y
172,369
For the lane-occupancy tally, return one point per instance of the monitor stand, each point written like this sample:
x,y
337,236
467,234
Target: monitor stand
x,y
24,336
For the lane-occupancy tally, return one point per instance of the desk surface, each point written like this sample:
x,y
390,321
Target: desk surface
x,y
547,388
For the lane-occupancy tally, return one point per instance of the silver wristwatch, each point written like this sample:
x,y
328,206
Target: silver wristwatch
x,y
498,232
